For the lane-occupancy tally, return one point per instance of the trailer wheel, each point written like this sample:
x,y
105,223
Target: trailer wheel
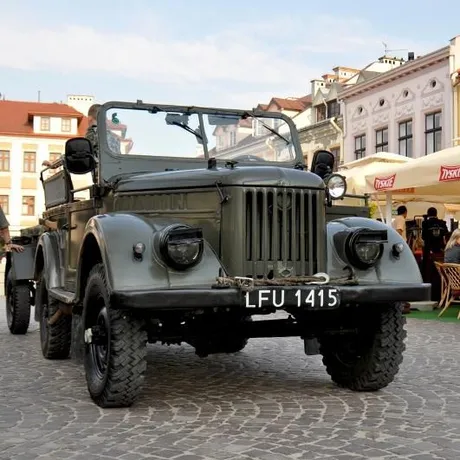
x,y
17,306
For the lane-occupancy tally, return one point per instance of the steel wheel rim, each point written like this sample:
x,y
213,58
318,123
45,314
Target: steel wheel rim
x,y
100,352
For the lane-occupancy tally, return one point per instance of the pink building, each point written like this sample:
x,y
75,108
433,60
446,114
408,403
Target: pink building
x,y
410,110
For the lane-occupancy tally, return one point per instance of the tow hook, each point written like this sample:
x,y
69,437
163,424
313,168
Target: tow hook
x,y
96,335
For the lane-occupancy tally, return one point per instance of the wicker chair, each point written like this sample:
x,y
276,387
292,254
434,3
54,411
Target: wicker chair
x,y
450,279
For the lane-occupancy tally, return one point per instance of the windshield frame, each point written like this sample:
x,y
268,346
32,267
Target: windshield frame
x,y
111,165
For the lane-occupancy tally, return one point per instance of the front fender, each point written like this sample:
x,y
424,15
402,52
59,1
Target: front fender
x,y
388,269
117,233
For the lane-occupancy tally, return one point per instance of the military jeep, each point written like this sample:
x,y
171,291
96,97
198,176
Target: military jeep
x,y
196,221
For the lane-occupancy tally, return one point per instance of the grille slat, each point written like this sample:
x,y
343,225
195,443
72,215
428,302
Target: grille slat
x,y
311,243
283,231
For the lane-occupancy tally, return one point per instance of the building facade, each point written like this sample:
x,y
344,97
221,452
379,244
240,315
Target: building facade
x,y
30,133
326,129
409,110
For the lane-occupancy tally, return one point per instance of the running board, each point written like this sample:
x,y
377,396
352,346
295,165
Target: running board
x,y
62,295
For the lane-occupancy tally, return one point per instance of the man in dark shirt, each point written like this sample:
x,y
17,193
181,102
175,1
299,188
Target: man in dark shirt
x,y
434,232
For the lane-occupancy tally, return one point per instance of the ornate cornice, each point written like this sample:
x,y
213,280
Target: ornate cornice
x,y
408,68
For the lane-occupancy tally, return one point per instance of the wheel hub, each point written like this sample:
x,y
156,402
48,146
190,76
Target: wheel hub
x,y
97,337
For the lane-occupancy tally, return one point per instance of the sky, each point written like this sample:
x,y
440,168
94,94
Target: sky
x,y
206,52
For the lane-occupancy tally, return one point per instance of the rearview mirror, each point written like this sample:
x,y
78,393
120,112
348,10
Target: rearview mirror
x,y
323,163
223,120
79,156
172,118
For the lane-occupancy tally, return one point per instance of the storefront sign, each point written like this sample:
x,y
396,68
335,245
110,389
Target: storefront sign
x,y
449,173
384,183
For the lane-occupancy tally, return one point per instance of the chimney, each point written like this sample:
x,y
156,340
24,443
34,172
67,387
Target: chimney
x,y
410,56
316,85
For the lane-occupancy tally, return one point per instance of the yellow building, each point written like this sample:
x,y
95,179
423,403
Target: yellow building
x,y
30,133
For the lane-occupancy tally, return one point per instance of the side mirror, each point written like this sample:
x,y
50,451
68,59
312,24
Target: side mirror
x,y
79,156
323,163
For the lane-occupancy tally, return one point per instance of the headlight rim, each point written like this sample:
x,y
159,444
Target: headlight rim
x,y
163,247
345,185
350,250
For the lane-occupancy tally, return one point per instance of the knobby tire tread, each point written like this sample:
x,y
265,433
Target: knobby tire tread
x,y
378,367
21,309
127,362
59,334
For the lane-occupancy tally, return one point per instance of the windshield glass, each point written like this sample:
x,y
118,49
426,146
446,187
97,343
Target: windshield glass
x,y
198,135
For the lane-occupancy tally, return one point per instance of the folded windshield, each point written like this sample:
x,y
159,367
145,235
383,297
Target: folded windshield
x,y
243,137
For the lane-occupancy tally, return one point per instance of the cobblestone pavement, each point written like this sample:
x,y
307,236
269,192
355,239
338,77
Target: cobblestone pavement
x,y
269,402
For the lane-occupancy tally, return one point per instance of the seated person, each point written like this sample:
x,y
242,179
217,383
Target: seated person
x,y
452,252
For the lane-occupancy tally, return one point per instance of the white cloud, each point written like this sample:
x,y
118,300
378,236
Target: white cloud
x,y
251,57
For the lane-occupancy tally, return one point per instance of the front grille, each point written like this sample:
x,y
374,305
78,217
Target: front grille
x,y
284,230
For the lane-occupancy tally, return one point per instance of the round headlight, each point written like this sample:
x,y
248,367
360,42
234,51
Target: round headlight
x,y
368,253
361,253
182,247
337,186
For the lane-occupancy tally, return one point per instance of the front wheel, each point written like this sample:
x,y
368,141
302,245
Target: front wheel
x,y
17,306
369,360
115,347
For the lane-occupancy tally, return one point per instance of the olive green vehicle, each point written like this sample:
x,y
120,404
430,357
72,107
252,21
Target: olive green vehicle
x,y
200,220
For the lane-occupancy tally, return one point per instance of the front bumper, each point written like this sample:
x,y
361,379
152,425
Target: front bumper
x,y
307,297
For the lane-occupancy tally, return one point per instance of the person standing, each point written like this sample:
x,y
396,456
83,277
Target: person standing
x,y
91,133
434,233
399,222
92,136
5,234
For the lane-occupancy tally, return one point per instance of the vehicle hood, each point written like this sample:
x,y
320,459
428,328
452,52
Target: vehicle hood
x,y
245,176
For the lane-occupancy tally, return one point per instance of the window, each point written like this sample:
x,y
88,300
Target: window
x,y
30,161
232,138
336,152
333,109
5,203
320,113
4,160
405,138
28,205
54,157
433,132
66,125
360,146
381,140
44,123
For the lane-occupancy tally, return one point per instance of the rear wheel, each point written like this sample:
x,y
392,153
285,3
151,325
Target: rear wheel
x,y
55,326
115,347
369,360
17,306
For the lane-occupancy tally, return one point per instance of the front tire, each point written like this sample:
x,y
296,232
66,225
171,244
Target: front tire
x,y
115,347
17,306
369,360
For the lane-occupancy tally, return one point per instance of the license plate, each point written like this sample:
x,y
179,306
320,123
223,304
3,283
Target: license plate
x,y
316,297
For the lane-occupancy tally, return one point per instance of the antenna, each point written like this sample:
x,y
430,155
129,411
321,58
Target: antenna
x,y
385,46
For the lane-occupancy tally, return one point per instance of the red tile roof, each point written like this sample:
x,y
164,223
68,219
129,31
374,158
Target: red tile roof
x,y
298,104
16,118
